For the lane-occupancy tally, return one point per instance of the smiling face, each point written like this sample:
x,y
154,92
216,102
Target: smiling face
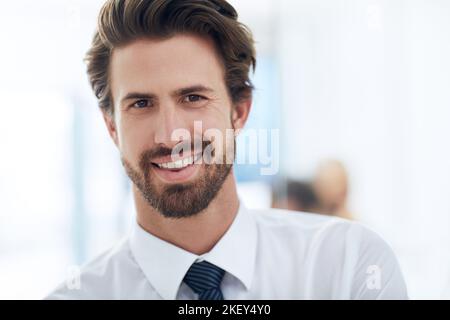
x,y
159,86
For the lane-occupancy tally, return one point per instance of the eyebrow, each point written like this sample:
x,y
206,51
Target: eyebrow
x,y
176,93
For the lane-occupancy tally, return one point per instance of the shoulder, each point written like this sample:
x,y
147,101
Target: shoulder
x,y
364,261
308,226
324,232
99,278
318,228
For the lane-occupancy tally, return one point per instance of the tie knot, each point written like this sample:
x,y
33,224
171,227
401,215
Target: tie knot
x,y
204,276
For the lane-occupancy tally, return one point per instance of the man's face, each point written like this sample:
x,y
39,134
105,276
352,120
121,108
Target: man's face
x,y
159,87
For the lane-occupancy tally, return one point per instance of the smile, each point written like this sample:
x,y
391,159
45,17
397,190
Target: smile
x,y
180,164
178,171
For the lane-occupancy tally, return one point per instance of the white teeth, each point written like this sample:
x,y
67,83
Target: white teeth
x,y
187,161
171,165
180,163
177,164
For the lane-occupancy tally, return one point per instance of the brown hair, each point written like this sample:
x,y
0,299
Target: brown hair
x,y
123,21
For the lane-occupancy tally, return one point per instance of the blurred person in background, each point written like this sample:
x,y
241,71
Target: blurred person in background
x,y
331,185
294,195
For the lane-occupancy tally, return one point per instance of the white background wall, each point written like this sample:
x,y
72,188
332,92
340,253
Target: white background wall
x,y
368,82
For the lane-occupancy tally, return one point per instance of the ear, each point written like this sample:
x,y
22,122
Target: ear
x,y
240,113
111,126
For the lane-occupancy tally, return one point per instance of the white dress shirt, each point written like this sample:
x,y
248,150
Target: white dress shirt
x,y
266,254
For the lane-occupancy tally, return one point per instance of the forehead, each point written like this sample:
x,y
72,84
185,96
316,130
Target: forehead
x,y
155,64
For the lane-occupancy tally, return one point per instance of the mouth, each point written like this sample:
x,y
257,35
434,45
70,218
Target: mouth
x,y
179,170
179,164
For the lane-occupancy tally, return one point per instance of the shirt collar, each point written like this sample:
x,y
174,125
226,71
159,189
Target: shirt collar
x,y
165,264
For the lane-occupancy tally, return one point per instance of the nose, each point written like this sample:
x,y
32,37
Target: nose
x,y
167,122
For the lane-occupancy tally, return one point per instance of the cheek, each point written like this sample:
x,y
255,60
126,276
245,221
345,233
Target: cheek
x,y
214,120
134,139
217,114
222,135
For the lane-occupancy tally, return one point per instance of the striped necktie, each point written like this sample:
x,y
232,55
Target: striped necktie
x,y
204,279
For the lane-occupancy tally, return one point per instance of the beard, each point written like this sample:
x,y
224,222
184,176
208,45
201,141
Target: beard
x,y
178,200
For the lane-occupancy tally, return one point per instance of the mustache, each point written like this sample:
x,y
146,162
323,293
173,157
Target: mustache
x,y
161,151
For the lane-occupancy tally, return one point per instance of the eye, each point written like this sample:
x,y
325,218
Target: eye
x,y
193,98
140,104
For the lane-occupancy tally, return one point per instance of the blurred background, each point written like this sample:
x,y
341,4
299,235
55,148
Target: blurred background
x,y
359,90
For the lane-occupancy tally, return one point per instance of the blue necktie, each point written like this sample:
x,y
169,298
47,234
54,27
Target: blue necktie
x,y
204,279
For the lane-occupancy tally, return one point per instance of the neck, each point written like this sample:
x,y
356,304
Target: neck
x,y
197,234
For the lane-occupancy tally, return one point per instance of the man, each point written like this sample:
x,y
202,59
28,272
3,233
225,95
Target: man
x,y
159,68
